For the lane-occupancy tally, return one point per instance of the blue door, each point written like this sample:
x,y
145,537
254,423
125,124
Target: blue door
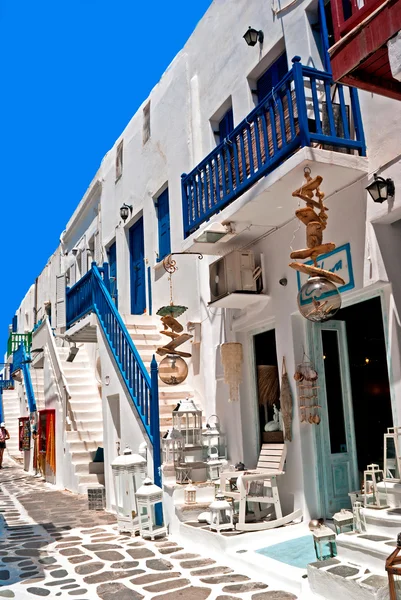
x,y
226,125
112,255
137,259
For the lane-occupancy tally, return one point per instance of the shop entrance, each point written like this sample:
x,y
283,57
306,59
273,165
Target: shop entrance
x,y
354,393
268,387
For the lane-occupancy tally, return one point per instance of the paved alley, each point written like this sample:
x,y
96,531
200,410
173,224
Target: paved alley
x,y
53,546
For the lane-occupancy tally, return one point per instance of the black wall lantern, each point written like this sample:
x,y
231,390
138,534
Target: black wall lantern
x,y
125,211
252,36
380,189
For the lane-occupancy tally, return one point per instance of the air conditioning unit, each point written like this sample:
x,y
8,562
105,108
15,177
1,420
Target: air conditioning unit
x,y
232,273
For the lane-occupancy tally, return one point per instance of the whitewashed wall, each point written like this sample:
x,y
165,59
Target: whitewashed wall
x,y
215,69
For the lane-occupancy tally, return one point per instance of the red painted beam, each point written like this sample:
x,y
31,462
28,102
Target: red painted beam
x,y
375,85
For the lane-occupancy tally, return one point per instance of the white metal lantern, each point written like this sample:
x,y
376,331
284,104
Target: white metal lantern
x,y
187,419
324,540
129,472
190,494
173,447
213,465
148,497
359,517
212,437
392,470
221,514
343,521
371,478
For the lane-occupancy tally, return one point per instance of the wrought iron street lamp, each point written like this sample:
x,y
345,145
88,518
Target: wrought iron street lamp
x,y
253,35
125,211
380,189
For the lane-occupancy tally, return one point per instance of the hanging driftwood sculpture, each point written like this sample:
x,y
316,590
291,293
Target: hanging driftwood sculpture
x,y
268,387
315,225
172,329
231,358
286,403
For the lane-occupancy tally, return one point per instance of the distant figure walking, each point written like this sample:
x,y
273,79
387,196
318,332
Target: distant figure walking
x,y
4,436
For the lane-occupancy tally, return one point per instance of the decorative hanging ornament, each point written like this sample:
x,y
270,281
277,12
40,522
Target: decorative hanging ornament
x,y
319,298
231,358
173,370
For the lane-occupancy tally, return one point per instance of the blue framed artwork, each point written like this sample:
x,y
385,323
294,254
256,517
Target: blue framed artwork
x,y
337,261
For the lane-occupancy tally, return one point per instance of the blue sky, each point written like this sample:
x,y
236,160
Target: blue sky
x,y
72,75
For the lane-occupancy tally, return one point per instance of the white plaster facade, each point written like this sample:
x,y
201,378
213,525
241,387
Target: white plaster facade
x,y
216,69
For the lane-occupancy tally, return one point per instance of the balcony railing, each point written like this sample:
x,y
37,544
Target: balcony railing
x,y
305,109
16,339
348,13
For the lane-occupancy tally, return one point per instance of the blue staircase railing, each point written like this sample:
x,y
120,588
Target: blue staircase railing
x,y
305,108
91,294
22,360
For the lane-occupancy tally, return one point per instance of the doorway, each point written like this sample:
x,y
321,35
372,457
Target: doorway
x,y
268,386
354,394
112,256
137,268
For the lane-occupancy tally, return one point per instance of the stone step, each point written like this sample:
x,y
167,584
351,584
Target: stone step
x,y
384,521
87,415
334,579
92,435
369,549
82,456
84,425
140,320
89,468
144,337
86,481
77,446
78,404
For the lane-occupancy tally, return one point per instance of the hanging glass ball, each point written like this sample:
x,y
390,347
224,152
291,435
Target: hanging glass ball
x,y
319,299
173,369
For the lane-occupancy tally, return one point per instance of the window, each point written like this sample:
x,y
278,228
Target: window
x,y
163,218
146,124
119,160
271,77
222,121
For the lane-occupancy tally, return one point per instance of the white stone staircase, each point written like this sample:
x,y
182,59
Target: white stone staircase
x,y
11,409
85,431
144,331
37,378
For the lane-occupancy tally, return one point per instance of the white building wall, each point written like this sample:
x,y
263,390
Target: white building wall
x,y
215,69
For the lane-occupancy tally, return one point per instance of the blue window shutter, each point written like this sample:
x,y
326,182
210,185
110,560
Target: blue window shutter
x,y
163,216
15,323
226,124
271,77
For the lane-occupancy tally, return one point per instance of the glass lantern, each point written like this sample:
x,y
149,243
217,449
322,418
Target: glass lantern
x,y
371,478
173,447
343,521
319,299
359,517
212,437
393,568
173,370
391,455
149,498
221,514
190,494
129,472
187,419
324,540
183,473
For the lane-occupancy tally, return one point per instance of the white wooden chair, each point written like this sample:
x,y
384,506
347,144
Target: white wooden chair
x,y
269,467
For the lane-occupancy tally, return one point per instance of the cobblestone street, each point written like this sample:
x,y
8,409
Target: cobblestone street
x,y
53,546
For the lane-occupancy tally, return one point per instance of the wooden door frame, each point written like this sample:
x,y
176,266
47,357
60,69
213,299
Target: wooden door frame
x,y
383,291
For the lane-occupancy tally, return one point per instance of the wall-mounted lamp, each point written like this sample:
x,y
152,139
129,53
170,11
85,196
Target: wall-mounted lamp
x,y
253,35
380,189
72,353
125,211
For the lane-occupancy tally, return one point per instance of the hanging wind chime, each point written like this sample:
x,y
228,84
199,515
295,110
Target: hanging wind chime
x,y
173,369
319,298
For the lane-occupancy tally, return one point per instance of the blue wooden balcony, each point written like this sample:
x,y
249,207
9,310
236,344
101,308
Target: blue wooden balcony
x,y
305,109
